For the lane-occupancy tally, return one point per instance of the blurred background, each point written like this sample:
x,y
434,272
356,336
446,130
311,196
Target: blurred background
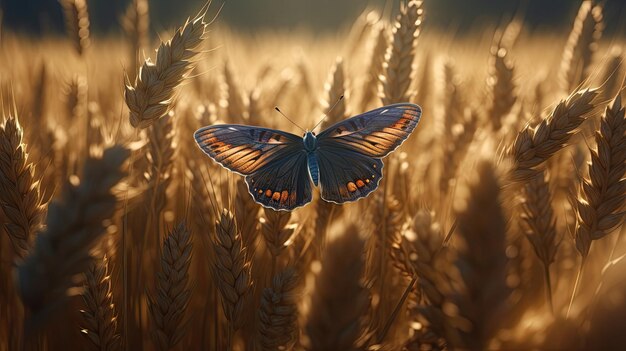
x,y
321,16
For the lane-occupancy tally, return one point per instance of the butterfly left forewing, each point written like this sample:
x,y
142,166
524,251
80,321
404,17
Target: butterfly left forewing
x,y
245,149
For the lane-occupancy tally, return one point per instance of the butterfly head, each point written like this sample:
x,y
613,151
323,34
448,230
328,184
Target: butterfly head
x,y
310,141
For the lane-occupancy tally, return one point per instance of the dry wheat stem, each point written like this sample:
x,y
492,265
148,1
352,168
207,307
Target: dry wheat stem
x,y
99,314
151,96
172,295
74,225
19,189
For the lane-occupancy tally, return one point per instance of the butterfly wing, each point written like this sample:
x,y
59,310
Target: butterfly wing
x,y
349,152
274,162
346,175
245,149
283,184
375,133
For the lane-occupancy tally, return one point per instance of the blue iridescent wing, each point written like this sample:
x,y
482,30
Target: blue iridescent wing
x,y
375,133
274,162
245,149
349,152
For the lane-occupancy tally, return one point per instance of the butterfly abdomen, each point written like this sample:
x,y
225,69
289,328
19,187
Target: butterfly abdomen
x,y
314,168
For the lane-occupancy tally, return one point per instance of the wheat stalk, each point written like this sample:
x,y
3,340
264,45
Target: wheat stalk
x,y
278,314
246,211
172,295
375,66
482,260
581,45
99,313
74,225
232,97
540,225
232,269
77,23
275,230
19,189
398,67
150,97
340,300
501,86
333,104
533,146
136,22
160,160
601,201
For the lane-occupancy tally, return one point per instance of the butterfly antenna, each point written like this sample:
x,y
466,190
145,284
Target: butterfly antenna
x,y
326,114
289,119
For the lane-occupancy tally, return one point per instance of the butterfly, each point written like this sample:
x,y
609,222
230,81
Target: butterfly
x,y
344,159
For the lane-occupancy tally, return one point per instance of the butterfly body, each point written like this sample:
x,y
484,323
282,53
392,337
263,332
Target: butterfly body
x,y
344,160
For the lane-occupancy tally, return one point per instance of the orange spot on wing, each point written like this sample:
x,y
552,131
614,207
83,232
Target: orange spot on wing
x,y
367,181
351,187
260,191
360,183
284,196
268,193
276,196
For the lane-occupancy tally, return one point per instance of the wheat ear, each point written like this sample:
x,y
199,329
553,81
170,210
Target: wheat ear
x,y
482,260
19,189
375,67
501,86
278,315
340,299
539,224
151,96
232,269
601,201
398,67
77,23
533,146
74,225
172,296
136,21
581,45
335,89
99,313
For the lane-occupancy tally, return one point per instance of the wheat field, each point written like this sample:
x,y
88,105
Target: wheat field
x,y
498,225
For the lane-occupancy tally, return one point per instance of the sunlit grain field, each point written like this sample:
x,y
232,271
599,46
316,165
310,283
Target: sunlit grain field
x,y
498,224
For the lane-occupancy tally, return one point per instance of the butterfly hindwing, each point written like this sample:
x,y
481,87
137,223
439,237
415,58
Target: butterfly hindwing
x,y
346,175
282,184
245,149
375,133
